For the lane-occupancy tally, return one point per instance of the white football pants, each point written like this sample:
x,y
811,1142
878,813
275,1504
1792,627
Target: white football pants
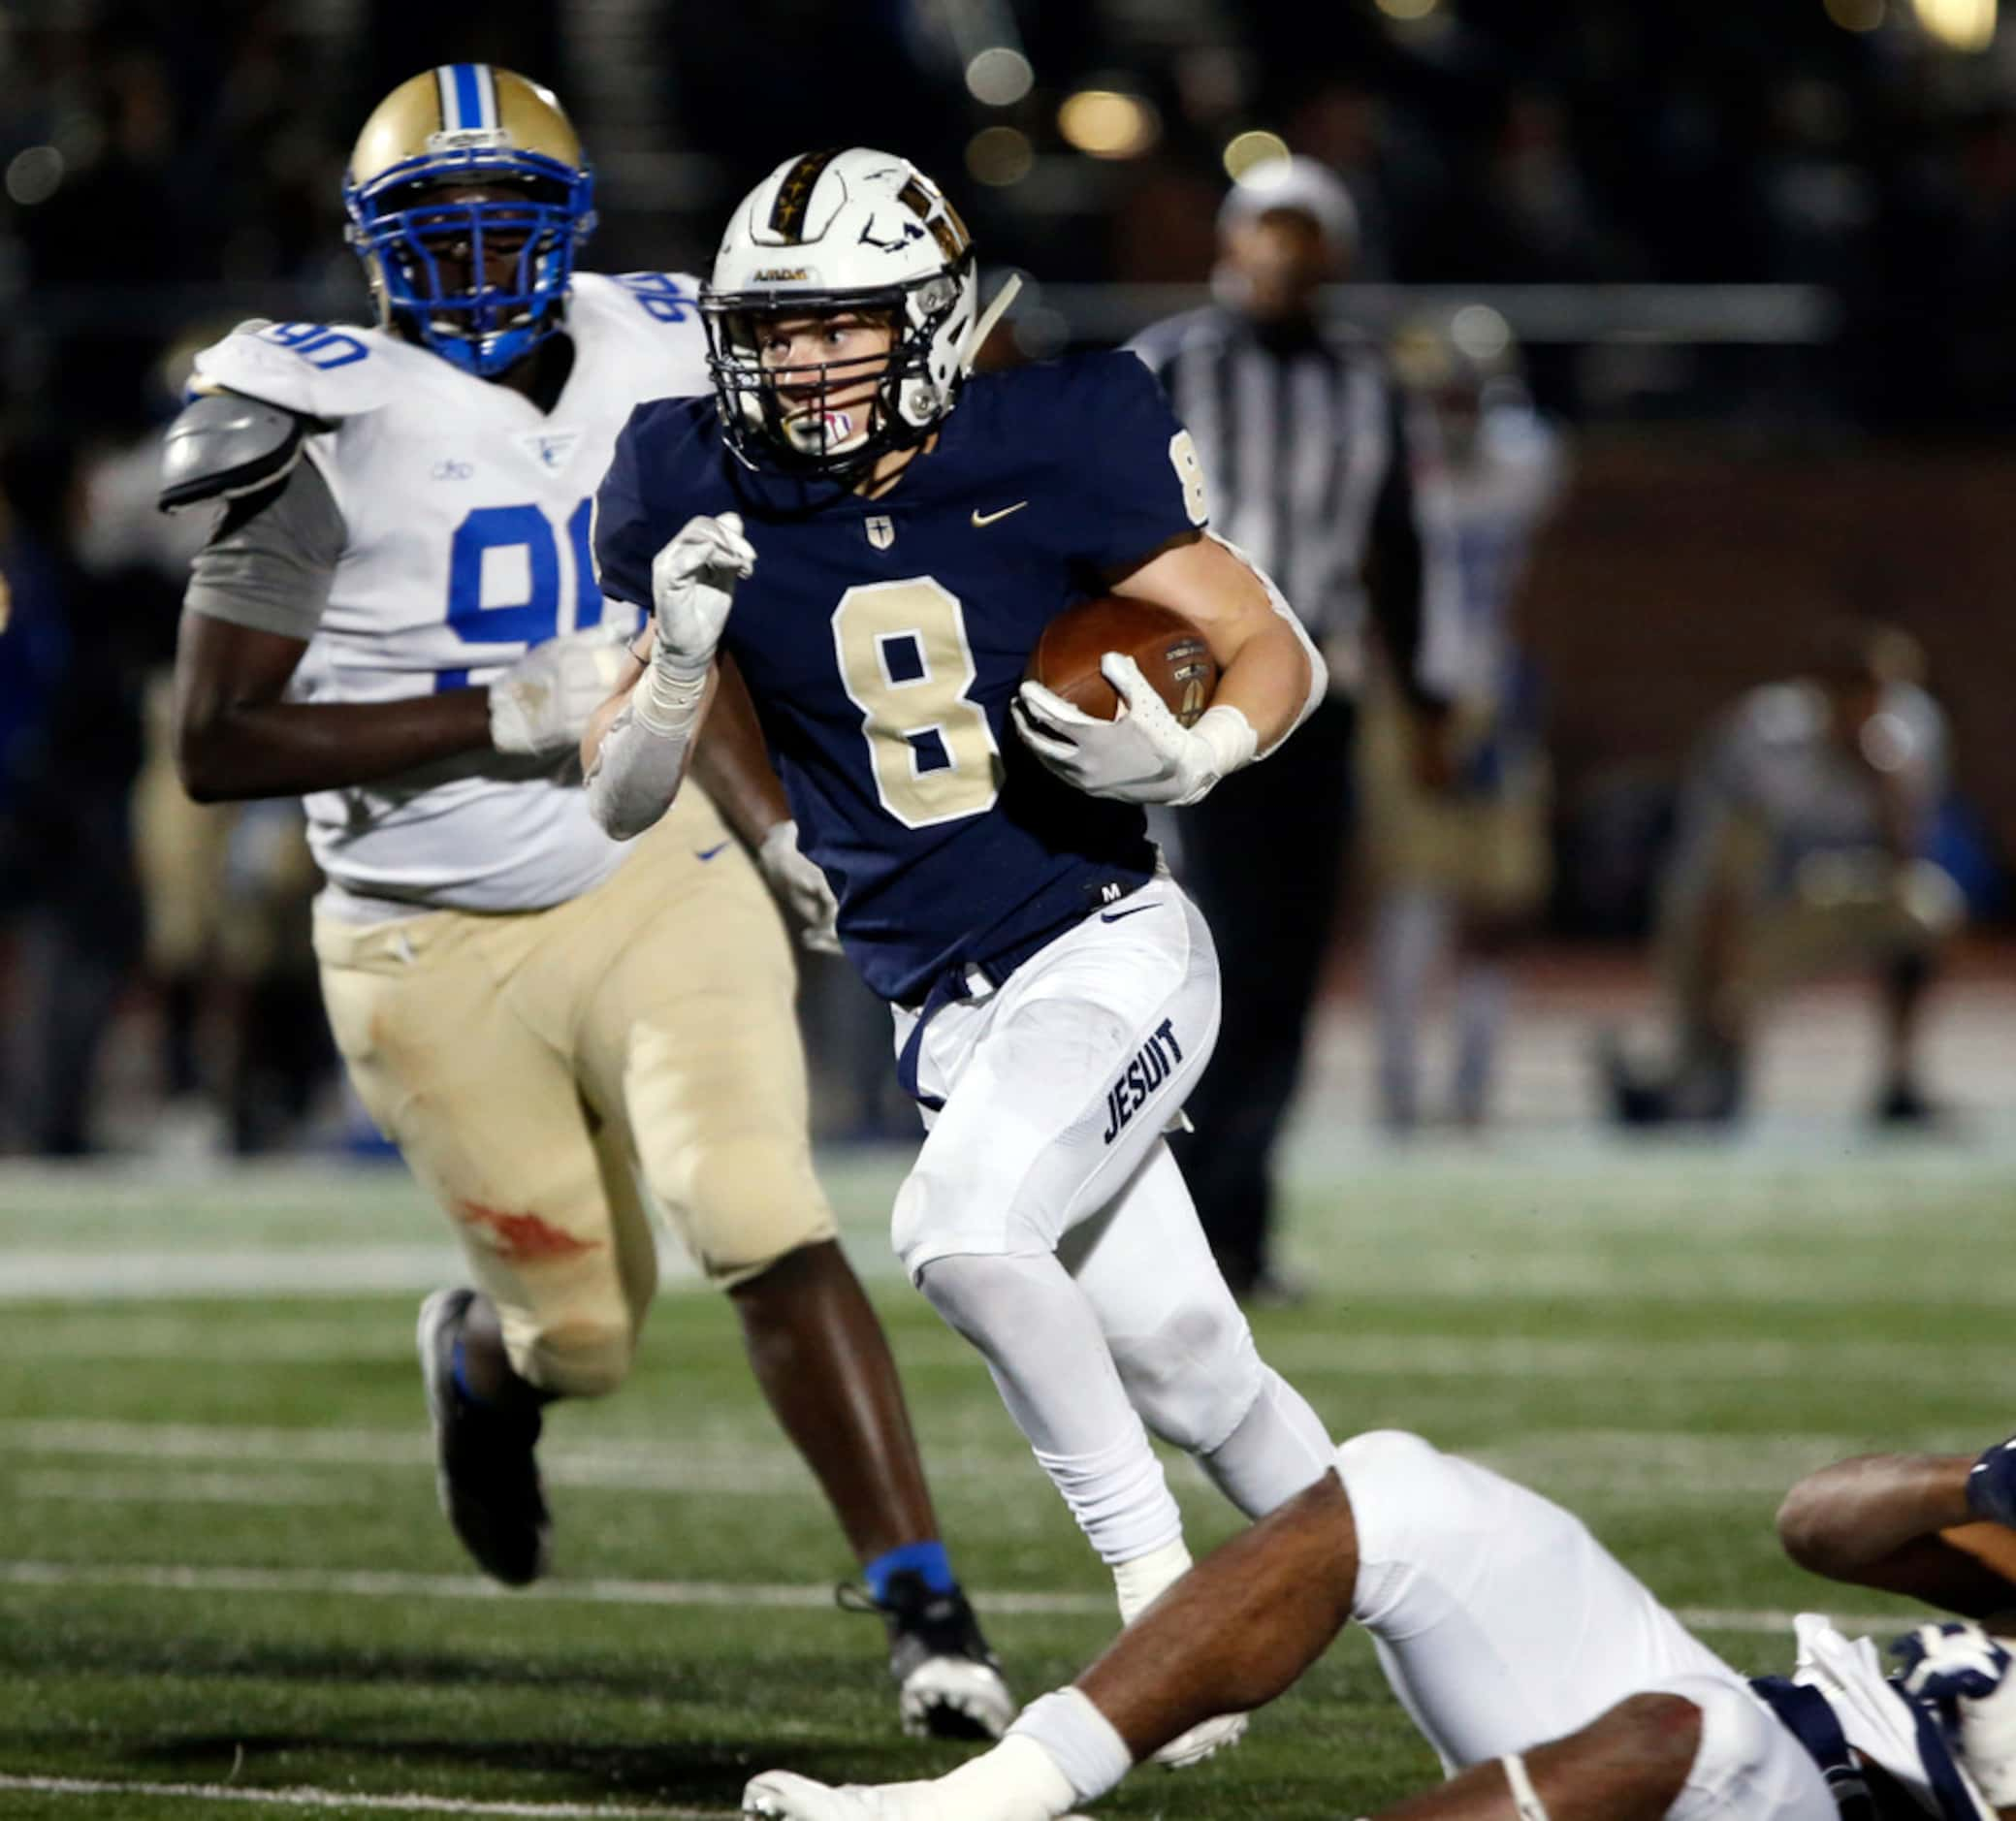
x,y
1046,1222
1502,1623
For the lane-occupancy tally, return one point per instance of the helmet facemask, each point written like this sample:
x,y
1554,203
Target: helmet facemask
x,y
800,418
434,262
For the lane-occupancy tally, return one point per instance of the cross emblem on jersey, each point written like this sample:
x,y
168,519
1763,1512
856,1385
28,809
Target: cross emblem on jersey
x,y
882,531
552,449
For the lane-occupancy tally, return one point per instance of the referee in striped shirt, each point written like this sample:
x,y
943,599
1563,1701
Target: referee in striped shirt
x,y
1299,431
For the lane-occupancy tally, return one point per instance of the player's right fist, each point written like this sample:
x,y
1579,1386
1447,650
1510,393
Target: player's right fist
x,y
693,587
541,705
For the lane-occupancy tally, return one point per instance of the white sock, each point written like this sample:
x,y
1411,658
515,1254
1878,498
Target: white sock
x,y
1279,1448
1142,1581
1078,1740
1023,1779
1483,992
1043,1342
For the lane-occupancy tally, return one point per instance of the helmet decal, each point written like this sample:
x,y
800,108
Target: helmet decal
x,y
794,193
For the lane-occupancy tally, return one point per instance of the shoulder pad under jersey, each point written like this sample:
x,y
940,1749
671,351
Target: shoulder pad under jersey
x,y
668,299
310,368
224,445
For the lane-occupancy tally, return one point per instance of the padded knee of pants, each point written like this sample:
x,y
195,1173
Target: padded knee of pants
x,y
743,1201
1194,1379
583,1357
1405,1498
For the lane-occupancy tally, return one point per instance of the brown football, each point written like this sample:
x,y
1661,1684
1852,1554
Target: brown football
x,y
1172,653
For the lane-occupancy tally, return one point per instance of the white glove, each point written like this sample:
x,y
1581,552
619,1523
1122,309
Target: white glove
x,y
1964,1670
542,704
693,587
1143,756
801,888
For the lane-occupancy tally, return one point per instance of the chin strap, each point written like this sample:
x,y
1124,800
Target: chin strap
x,y
983,324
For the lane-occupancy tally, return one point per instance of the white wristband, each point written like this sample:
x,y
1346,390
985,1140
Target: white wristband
x,y
1229,735
667,702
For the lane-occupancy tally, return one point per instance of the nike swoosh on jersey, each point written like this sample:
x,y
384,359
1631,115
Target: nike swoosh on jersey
x,y
709,853
1132,911
980,517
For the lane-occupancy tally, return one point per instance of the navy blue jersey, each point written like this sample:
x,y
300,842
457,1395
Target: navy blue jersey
x,y
883,640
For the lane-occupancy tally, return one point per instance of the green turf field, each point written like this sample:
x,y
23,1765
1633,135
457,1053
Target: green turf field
x,y
221,1564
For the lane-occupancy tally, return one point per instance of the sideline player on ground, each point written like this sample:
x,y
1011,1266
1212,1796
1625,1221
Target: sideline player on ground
x,y
1805,825
893,537
404,626
1551,1682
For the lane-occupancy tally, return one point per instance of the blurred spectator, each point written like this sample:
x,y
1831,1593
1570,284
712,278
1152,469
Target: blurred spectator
x,y
72,763
1803,833
225,888
1298,432
1457,806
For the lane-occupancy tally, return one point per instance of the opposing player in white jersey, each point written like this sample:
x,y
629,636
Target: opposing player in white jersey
x,y
1456,803
1551,1682
397,618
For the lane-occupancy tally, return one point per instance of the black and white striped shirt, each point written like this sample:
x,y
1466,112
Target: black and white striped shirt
x,y
1298,432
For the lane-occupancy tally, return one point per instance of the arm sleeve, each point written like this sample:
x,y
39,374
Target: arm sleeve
x,y
272,558
622,533
1135,482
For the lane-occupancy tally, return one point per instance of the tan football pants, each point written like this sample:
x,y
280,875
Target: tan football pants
x,y
1844,909
532,1067
1490,854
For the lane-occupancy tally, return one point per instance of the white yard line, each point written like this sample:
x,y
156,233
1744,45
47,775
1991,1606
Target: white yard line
x,y
201,1463
730,1464
1352,1352
346,1801
372,1583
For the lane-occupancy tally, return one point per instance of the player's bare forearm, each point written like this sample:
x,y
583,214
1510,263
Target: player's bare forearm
x,y
1630,1763
236,736
1902,1523
1238,1628
638,655
1266,667
732,764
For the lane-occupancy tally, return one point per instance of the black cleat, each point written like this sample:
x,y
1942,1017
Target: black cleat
x,y
948,1683
488,1477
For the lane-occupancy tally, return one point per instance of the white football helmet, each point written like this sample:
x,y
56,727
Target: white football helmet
x,y
826,231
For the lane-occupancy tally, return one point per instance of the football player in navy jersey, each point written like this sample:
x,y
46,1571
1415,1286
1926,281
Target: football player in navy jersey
x,y
890,561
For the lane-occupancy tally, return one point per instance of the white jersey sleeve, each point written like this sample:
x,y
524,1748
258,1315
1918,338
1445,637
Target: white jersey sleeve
x,y
464,512
311,368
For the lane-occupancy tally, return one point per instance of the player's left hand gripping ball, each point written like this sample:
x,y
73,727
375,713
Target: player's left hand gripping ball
x,y
1145,754
693,587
